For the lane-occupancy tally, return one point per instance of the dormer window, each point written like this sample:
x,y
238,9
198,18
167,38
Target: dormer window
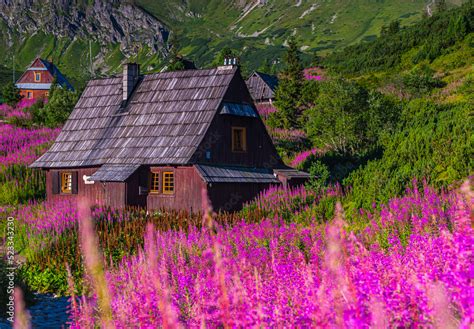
x,y
37,77
239,139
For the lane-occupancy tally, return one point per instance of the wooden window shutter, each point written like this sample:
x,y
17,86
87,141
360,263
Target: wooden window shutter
x,y
74,182
55,181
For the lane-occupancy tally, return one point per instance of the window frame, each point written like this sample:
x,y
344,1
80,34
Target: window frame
x,y
243,141
165,187
36,74
28,94
62,183
155,174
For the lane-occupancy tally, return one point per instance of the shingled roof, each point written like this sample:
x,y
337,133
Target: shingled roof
x,y
163,122
262,86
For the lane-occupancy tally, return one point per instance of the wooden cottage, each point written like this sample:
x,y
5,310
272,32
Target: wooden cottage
x,y
36,82
158,140
262,87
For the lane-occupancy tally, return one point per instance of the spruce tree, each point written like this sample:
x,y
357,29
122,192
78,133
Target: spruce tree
x,y
11,94
289,88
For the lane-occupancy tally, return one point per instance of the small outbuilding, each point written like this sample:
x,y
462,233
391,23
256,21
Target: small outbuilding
x,y
158,140
262,87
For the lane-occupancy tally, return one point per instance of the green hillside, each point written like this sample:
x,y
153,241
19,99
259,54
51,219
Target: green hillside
x,y
72,57
259,32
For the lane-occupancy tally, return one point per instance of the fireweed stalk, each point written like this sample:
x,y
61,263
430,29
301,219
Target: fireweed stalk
x,y
409,268
93,262
22,317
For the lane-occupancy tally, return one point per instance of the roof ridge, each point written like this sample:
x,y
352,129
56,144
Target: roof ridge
x,y
93,136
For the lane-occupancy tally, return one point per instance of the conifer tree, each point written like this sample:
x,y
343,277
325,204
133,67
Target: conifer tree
x,y
11,94
289,88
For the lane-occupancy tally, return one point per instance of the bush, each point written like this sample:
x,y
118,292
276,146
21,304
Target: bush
x,y
421,80
434,142
58,108
350,120
11,94
319,176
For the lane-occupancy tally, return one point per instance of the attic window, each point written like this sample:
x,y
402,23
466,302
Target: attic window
x,y
37,77
66,182
239,139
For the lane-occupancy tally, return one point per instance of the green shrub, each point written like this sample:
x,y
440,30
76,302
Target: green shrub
x,y
434,142
421,80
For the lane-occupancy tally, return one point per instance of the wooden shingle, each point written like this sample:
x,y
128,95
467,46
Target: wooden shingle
x,y
163,123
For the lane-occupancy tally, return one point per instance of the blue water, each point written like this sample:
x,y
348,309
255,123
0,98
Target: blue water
x,y
47,312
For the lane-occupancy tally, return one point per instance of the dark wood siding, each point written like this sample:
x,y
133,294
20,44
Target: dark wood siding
x,y
231,196
139,178
218,140
187,194
108,193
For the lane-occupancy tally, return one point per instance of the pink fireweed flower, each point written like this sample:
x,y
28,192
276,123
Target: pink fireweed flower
x,y
313,73
265,110
23,146
300,158
287,134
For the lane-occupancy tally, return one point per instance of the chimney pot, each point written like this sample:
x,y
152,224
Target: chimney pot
x,y
231,61
131,73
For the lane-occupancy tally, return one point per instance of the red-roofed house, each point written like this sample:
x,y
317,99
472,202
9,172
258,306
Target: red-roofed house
x,y
36,81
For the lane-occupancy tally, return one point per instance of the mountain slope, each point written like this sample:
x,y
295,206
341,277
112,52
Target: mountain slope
x,y
78,34
105,32
259,29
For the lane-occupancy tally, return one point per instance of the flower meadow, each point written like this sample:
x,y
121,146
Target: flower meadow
x,y
19,147
405,264
20,110
272,274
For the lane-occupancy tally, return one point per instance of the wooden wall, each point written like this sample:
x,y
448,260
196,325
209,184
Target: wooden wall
x,y
108,193
260,149
36,94
187,196
139,178
232,196
188,189
29,77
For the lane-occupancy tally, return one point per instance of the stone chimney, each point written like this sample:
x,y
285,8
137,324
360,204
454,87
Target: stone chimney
x,y
131,73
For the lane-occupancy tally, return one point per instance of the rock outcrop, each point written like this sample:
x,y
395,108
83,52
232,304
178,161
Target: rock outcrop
x,y
105,21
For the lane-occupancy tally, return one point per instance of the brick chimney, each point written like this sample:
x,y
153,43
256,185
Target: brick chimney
x,y
131,73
